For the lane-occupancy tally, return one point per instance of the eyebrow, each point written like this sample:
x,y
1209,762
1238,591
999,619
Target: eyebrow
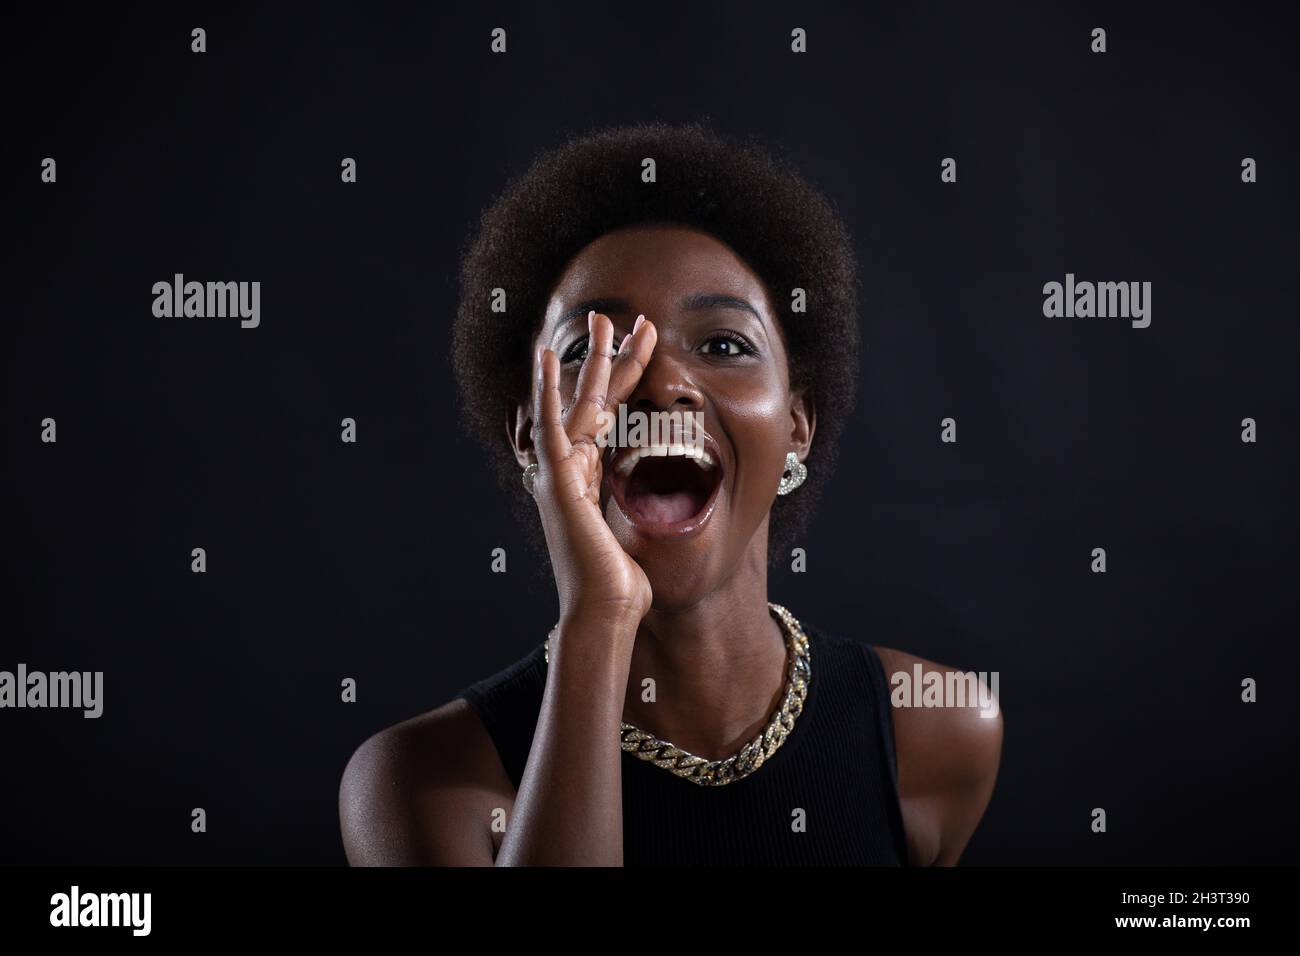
x,y
711,300
603,306
696,302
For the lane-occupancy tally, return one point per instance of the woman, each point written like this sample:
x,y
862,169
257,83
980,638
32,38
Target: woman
x,y
673,715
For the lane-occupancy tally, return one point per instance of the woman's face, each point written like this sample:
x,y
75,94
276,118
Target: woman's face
x,y
719,353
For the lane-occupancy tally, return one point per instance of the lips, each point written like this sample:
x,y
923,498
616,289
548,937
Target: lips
x,y
666,489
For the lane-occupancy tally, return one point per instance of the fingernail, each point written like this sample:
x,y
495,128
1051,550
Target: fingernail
x,y
640,320
622,346
591,321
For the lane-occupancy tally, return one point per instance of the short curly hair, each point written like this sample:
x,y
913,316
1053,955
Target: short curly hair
x,y
784,229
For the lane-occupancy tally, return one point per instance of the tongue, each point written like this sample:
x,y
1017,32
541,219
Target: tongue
x,y
669,507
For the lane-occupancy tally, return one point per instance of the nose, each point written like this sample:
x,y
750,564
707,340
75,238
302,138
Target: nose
x,y
666,385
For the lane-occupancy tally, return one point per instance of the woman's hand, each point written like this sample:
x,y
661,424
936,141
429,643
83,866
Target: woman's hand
x,y
597,580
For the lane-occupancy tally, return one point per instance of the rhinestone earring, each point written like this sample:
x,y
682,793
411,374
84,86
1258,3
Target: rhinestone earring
x,y
529,474
795,472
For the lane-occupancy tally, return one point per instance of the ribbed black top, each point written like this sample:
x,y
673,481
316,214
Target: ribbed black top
x,y
838,765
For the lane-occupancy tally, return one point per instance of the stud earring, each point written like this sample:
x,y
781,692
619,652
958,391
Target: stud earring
x,y
795,472
529,474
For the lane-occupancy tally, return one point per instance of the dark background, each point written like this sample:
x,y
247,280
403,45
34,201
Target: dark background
x,y
372,560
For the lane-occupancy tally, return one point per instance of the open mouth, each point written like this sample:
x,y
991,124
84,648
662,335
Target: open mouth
x,y
665,488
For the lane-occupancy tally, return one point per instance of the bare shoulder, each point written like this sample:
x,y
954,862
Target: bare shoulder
x,y
423,792
948,756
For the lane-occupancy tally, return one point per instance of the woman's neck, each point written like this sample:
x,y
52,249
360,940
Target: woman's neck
x,y
718,667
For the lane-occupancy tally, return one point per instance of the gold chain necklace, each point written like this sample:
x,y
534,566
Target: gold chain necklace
x,y
716,773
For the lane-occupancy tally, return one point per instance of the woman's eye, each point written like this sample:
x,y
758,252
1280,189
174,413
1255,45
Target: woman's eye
x,y
727,346
577,352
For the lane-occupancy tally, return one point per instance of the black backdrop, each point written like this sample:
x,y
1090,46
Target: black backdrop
x,y
372,561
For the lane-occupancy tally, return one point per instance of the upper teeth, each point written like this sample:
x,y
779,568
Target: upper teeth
x,y
627,461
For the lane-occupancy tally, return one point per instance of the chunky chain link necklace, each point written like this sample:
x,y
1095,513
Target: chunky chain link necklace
x,y
716,773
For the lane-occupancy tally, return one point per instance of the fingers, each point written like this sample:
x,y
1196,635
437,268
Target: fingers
x,y
589,398
548,434
633,357
602,382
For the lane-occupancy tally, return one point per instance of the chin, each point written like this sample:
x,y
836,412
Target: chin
x,y
680,582
682,568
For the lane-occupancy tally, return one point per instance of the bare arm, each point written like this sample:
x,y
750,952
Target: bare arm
x,y
948,761
570,805
425,792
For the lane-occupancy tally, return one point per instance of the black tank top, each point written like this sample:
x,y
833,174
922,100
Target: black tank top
x,y
838,765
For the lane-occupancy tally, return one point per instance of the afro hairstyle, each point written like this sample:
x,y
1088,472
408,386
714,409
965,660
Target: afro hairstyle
x,y
760,206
